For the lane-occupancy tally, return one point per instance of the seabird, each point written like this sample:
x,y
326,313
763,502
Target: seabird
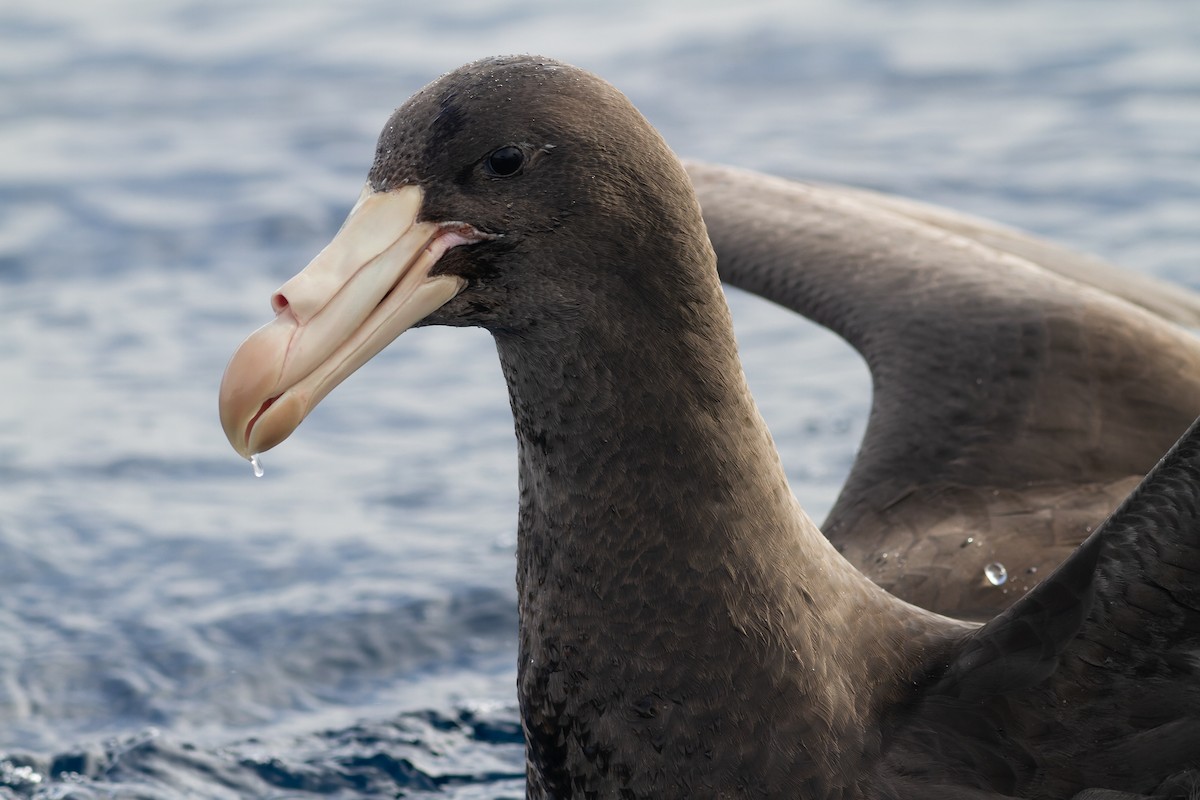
x,y
1021,390
685,629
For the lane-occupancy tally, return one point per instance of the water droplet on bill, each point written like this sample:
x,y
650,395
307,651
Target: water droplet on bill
x,y
995,573
257,465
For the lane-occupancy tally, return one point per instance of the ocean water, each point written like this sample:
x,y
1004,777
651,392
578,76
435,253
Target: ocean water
x,y
171,627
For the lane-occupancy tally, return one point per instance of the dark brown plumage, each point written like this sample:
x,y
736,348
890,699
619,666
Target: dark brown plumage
x,y
686,631
1020,390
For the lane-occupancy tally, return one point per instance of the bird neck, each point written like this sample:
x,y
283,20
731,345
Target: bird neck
x,y
665,570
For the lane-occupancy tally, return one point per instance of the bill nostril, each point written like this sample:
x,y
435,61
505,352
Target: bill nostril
x,y
279,303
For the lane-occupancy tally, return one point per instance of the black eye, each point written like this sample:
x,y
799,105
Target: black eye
x,y
505,162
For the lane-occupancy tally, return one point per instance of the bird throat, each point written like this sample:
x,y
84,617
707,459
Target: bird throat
x,y
661,559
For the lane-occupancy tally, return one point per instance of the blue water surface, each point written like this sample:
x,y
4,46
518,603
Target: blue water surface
x,y
171,627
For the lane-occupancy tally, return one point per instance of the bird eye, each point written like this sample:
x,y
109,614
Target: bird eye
x,y
505,162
